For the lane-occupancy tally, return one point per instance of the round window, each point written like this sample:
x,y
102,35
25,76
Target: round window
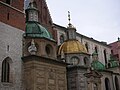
x,y
48,49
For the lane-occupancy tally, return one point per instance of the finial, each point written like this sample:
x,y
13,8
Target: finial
x,y
69,17
70,25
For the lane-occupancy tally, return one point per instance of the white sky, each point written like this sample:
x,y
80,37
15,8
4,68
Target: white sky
x,y
99,19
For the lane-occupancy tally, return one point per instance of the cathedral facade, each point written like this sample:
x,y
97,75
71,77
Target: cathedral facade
x,y
36,54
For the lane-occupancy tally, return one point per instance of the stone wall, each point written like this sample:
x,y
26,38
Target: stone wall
x,y
76,78
11,15
11,46
44,74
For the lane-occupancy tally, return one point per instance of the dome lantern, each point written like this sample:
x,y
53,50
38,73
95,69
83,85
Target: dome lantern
x,y
32,12
71,30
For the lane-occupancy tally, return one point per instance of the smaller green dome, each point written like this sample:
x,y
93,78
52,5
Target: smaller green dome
x,y
34,29
96,65
113,62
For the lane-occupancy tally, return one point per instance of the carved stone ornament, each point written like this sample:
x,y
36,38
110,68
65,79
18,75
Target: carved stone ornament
x,y
32,48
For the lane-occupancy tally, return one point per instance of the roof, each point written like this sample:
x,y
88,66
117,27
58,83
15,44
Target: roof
x,y
93,73
72,46
78,34
97,65
113,62
34,29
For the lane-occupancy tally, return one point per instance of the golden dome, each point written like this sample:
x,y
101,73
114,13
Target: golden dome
x,y
72,46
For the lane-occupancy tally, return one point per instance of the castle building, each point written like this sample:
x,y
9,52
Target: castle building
x,y
36,54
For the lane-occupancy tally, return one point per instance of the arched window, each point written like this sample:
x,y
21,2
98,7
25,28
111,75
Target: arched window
x,y
86,45
5,77
61,39
117,83
107,84
109,65
96,49
8,1
49,50
74,60
105,56
86,61
112,52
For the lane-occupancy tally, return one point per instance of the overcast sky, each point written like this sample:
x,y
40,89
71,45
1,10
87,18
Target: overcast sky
x,y
99,19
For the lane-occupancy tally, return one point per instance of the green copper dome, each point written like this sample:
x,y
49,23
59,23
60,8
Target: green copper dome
x,y
97,65
113,62
34,29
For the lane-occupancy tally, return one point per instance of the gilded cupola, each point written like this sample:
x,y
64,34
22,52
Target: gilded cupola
x,y
71,45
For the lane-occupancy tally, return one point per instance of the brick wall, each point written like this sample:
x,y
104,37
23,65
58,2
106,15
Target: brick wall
x,y
12,16
19,4
116,48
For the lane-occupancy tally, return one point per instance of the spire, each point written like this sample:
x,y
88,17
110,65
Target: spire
x,y
69,17
69,20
